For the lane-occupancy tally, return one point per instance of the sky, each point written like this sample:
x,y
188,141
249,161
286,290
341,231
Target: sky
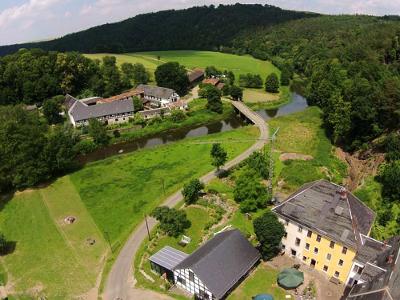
x,y
36,20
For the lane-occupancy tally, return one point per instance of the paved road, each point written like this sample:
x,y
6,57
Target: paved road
x,y
120,282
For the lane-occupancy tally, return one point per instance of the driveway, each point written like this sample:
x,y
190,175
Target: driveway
x,y
120,281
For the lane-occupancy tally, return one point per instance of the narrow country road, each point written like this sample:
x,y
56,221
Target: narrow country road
x,y
120,281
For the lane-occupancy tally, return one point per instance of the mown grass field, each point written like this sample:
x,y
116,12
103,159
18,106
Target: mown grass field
x,y
261,281
197,59
51,258
118,191
302,133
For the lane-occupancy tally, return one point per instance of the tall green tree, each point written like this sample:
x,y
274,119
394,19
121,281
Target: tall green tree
x,y
236,93
52,110
191,191
174,76
98,132
285,77
272,83
111,77
390,178
219,155
140,75
173,222
214,102
249,191
269,232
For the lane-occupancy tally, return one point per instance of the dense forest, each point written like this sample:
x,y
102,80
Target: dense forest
x,y
202,28
348,65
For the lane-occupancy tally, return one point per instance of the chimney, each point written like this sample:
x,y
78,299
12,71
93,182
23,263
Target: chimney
x,y
384,245
343,193
389,259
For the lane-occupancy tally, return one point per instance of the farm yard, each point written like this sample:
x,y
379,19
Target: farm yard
x,y
108,199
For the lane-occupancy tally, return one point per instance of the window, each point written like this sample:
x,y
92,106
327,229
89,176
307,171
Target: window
x,y
283,246
325,268
181,280
340,262
307,246
297,242
309,233
328,256
191,276
285,235
344,250
300,229
315,250
337,274
304,258
332,245
286,222
318,238
294,252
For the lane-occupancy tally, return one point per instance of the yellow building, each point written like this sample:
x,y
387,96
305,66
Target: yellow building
x,y
327,228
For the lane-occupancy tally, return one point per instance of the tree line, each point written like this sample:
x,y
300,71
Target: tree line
x,y
202,28
32,76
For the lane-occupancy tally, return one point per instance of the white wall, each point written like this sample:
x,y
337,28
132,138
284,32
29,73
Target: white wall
x,y
292,230
192,287
354,275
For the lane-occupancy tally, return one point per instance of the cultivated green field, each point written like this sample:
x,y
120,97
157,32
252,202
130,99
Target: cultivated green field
x,y
51,258
118,191
197,59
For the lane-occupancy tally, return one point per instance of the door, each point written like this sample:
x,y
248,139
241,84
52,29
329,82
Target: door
x,y
313,263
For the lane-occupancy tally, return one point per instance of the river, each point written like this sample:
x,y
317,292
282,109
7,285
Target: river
x,y
298,103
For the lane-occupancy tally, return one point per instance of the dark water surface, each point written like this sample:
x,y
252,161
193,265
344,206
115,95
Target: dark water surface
x,y
298,103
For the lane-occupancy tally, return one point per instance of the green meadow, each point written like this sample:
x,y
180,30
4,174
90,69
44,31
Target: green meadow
x,y
108,198
197,59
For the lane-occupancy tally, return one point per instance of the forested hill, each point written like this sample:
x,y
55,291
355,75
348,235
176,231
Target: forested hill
x,y
199,28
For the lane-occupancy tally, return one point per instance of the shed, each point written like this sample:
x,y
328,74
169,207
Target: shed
x,y
165,260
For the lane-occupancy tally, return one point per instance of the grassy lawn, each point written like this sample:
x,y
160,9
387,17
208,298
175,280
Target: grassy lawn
x,y
302,133
260,281
258,99
201,59
118,191
51,258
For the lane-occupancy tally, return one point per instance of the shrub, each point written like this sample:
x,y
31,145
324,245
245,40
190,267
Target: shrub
x,y
191,191
177,116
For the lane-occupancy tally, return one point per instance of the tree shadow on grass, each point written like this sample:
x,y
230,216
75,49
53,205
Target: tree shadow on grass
x,y
8,248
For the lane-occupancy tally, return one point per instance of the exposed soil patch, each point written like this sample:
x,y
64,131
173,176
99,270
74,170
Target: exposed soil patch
x,y
360,165
294,156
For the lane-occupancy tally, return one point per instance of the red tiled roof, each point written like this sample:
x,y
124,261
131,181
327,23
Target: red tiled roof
x,y
213,81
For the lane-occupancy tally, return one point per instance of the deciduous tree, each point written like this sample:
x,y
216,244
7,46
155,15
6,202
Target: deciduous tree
x,y
219,155
272,83
191,191
174,76
173,222
269,232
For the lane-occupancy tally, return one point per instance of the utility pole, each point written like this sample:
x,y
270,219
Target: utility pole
x,y
271,161
163,185
147,227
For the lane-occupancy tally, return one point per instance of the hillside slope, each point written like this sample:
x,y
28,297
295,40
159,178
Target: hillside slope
x,y
199,28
